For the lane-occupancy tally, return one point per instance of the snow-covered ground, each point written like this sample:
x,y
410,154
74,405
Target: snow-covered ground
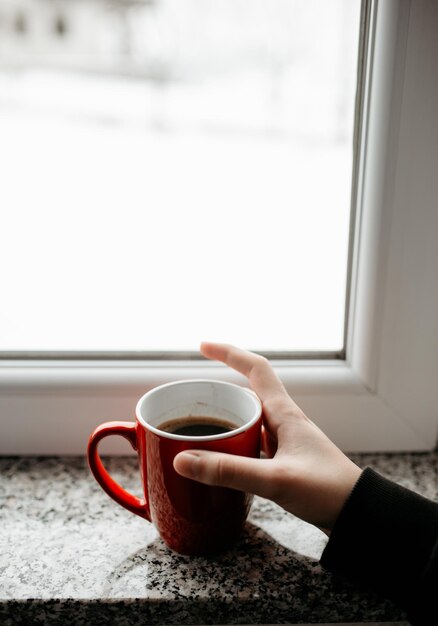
x,y
119,232
206,196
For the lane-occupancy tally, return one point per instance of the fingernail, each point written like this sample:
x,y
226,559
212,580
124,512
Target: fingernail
x,y
191,463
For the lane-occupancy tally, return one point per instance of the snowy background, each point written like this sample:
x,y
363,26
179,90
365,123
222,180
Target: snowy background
x,y
174,171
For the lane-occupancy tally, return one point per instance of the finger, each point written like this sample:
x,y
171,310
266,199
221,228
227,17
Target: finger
x,y
226,470
278,407
256,368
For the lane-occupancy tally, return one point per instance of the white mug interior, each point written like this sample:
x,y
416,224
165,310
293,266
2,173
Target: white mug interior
x,y
199,398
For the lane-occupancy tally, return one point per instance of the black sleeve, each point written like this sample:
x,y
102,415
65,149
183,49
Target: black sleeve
x,y
386,539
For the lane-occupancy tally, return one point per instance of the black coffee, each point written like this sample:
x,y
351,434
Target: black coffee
x,y
197,426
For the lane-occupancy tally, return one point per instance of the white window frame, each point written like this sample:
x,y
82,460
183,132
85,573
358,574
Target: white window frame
x,y
384,395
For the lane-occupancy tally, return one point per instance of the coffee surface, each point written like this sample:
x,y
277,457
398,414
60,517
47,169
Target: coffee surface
x,y
197,426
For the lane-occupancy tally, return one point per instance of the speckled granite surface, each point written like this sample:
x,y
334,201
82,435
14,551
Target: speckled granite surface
x,y
68,553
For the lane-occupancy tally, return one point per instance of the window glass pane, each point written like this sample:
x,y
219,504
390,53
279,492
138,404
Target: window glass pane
x,y
175,170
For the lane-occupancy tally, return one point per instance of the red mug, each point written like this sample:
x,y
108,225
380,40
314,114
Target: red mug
x,y
190,517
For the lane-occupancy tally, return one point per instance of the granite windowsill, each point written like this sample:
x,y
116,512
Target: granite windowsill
x,y
70,554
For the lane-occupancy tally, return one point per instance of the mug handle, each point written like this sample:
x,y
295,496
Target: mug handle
x,y
127,430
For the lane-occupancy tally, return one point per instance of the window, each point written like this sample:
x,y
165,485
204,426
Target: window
x,y
383,395
177,169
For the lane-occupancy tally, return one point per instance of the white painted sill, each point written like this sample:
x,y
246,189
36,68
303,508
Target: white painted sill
x,y
53,409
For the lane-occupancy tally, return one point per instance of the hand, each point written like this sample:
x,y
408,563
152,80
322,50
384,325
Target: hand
x,y
305,472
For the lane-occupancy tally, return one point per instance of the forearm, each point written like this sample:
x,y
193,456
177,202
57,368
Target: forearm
x,y
386,538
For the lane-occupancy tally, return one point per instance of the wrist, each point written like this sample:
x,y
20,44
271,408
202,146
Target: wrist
x,y
345,482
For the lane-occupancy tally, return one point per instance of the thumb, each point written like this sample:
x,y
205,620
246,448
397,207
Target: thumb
x,y
226,470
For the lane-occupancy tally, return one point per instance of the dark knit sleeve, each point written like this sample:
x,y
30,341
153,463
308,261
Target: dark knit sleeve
x,y
386,539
